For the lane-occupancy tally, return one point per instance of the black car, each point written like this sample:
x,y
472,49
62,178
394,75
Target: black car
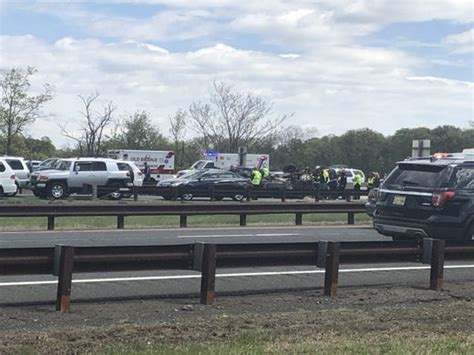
x,y
431,197
204,183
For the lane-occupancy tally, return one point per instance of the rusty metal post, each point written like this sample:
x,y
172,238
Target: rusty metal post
x,y
120,221
350,218
437,264
50,223
331,275
243,219
208,274
135,193
65,263
183,220
299,219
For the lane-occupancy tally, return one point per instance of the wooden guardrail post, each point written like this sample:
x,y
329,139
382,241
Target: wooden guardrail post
x,y
183,220
298,218
328,257
437,264
243,219
208,273
120,221
50,223
63,267
350,218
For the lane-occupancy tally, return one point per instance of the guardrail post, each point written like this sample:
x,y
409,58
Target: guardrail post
x,y
299,219
243,219
437,264
212,193
64,262
317,196
183,220
347,195
135,193
350,218
120,221
331,275
175,193
208,274
50,223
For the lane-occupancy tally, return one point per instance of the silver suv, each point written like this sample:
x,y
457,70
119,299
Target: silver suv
x,y
70,175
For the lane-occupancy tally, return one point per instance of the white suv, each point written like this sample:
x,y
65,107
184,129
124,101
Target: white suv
x,y
22,173
7,179
70,175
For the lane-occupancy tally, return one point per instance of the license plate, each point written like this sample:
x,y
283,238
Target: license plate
x,y
399,200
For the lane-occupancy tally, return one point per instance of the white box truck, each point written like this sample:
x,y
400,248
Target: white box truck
x,y
227,160
161,162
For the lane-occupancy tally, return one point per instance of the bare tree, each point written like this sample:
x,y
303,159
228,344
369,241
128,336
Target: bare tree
x,y
18,109
234,119
91,135
178,133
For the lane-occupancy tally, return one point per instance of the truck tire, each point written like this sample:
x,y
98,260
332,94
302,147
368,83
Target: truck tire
x,y
57,190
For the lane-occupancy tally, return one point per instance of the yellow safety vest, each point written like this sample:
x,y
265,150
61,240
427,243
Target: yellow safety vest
x,y
266,172
257,178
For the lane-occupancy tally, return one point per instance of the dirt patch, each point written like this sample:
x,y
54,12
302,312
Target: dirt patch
x,y
279,323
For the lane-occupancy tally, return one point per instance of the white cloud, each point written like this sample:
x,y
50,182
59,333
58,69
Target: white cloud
x,y
335,90
461,43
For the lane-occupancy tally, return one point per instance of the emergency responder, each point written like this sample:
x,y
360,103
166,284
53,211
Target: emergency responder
x,y
357,184
342,182
373,181
265,172
147,171
333,183
256,178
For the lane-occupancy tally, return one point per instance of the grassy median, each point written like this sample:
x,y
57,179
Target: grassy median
x,y
420,328
69,223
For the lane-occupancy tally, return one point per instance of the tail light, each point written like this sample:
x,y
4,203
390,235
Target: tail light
x,y
13,177
129,174
439,198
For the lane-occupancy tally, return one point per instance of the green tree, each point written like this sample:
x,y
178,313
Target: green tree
x,y
138,132
18,109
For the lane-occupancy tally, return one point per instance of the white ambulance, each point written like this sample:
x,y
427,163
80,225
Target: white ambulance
x,y
161,162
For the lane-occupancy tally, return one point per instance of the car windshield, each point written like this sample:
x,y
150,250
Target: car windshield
x,y
419,175
62,165
198,165
49,163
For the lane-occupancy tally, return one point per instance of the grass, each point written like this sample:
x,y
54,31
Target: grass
x,y
73,223
400,329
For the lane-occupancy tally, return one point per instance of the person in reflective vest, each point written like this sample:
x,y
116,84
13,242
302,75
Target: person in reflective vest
x,y
256,178
357,183
265,172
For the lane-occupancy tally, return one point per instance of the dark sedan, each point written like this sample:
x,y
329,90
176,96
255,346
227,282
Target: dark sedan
x,y
214,183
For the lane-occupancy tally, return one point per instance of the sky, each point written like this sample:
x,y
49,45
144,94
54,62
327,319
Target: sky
x,y
336,65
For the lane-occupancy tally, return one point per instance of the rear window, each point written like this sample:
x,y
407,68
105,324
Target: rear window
x,y
15,164
418,175
464,178
124,167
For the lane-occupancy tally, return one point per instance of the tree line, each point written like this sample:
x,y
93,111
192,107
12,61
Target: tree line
x,y
228,120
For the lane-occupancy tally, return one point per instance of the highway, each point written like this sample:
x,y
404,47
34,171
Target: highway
x,y
15,290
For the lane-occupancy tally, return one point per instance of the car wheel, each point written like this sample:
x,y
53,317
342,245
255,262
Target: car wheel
x,y
187,196
57,190
238,197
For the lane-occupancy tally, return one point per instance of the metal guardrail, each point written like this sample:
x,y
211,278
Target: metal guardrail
x,y
249,193
183,210
63,260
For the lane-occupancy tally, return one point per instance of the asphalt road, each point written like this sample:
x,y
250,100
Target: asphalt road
x,y
17,290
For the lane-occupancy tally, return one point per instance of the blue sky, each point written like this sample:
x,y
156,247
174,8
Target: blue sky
x,y
385,61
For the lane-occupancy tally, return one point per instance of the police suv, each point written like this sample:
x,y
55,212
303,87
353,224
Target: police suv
x,y
432,197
